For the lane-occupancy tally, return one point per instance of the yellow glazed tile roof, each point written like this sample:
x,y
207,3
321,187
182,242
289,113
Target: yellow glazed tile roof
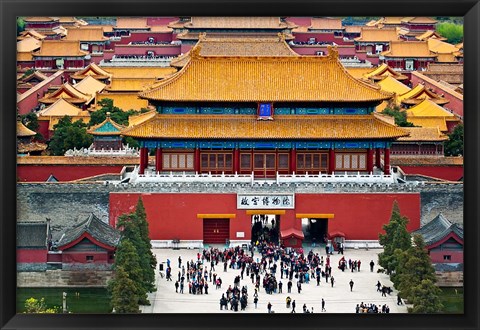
x,y
418,93
68,160
60,108
90,86
131,23
425,160
264,78
68,92
353,28
437,84
392,20
139,72
248,127
140,118
32,33
23,131
105,28
24,57
161,28
126,84
441,47
85,34
447,58
60,48
358,73
238,46
392,85
439,122
408,49
326,23
40,19
232,22
384,70
375,34
423,134
427,108
91,70
124,101
28,44
24,148
430,34
419,20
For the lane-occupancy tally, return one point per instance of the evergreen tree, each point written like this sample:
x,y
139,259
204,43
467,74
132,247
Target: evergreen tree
x,y
149,262
454,145
68,135
396,237
124,292
426,298
453,32
399,116
414,267
127,258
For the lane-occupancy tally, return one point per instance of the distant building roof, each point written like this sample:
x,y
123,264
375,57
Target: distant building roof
x,y
85,34
408,49
132,23
124,100
370,34
32,235
28,44
382,71
420,93
64,48
67,92
392,85
95,228
418,20
326,23
23,131
439,228
423,134
139,72
238,46
107,127
427,108
90,86
60,108
91,70
234,22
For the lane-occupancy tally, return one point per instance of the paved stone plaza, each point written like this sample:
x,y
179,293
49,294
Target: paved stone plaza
x,y
338,299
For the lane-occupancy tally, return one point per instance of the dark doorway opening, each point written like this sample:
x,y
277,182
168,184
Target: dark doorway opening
x,y
315,230
265,227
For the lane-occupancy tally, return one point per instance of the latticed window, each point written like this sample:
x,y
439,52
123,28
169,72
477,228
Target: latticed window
x,y
216,162
312,161
350,161
177,161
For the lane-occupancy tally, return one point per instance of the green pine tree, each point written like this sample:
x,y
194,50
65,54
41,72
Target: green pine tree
x,y
396,237
149,262
454,145
68,135
124,292
414,267
426,298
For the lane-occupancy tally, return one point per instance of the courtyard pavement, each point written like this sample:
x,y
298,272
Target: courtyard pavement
x,y
338,299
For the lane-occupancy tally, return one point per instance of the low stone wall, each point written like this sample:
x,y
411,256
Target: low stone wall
x,y
63,278
449,279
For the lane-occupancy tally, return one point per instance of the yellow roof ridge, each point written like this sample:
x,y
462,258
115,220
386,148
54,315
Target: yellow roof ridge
x,y
428,108
60,104
23,130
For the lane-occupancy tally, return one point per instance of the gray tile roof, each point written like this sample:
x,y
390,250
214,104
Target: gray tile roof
x,y
32,235
99,230
437,229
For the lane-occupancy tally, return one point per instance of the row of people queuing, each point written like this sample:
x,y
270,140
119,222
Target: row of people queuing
x,y
371,308
353,265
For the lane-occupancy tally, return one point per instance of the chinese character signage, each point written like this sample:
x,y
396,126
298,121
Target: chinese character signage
x,y
265,110
262,201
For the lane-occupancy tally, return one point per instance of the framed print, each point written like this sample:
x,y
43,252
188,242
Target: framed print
x,y
182,164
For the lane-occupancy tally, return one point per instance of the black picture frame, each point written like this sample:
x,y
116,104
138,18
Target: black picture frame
x,y
10,9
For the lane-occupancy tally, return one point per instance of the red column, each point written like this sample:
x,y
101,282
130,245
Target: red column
x,y
141,170
236,161
370,160
146,157
196,158
293,161
331,161
386,160
377,157
158,160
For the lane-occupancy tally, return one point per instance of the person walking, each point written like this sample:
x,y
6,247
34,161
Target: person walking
x,y
332,280
351,285
323,305
293,306
179,261
299,286
280,285
289,286
399,300
371,265
255,301
269,307
176,286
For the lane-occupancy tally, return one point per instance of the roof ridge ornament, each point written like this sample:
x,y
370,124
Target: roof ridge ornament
x,y
332,52
195,52
281,36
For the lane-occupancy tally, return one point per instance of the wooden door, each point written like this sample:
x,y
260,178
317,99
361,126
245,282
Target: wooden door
x,y
216,231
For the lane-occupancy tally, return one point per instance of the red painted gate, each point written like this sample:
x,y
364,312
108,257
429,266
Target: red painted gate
x,y
216,231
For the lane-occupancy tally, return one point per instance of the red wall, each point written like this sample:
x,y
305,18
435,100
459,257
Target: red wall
x,y
359,216
27,255
40,173
450,173
31,101
143,36
437,257
455,104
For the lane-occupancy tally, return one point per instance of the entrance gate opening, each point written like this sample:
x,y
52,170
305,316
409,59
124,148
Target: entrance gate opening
x,y
315,230
265,227
216,231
